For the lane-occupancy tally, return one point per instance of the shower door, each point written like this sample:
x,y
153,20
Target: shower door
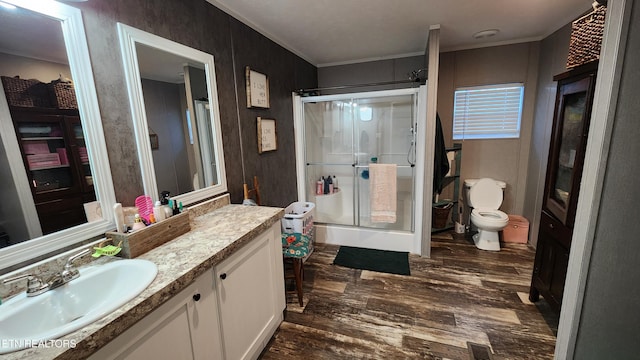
x,y
343,134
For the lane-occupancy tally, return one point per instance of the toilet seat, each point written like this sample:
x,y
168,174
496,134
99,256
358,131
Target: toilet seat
x,y
490,215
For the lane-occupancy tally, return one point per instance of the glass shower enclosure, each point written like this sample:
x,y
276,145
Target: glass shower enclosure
x,y
340,136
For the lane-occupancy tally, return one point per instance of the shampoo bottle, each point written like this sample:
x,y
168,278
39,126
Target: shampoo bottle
x,y
335,183
158,211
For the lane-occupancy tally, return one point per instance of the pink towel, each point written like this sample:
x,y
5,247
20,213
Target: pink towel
x,y
383,190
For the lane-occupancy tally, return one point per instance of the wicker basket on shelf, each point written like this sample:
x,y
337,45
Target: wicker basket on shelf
x,y
63,95
26,93
586,38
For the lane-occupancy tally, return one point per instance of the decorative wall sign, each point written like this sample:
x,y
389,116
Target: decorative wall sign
x,y
257,89
267,139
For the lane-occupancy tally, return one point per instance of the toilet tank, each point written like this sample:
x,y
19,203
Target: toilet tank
x,y
468,183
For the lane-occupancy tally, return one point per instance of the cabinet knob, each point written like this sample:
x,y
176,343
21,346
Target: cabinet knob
x,y
551,226
196,297
223,276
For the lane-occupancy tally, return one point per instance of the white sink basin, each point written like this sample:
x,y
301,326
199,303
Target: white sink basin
x,y
98,291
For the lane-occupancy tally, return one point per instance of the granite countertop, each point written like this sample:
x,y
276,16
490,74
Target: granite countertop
x,y
213,237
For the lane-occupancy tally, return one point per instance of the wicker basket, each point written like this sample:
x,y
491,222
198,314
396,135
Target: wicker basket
x,y
26,93
63,95
586,38
440,214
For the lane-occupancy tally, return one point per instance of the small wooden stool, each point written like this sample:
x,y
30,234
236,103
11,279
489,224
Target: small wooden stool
x,y
295,247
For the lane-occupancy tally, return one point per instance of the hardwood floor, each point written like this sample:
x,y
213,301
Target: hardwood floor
x,y
459,295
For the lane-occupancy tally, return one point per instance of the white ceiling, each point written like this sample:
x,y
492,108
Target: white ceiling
x,y
328,32
331,32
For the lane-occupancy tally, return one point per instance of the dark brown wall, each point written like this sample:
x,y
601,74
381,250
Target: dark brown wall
x,y
233,45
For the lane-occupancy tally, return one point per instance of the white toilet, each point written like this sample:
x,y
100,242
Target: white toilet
x,y
485,197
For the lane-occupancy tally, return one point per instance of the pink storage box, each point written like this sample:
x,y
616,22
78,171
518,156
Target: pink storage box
x,y
43,160
36,147
84,156
62,154
517,231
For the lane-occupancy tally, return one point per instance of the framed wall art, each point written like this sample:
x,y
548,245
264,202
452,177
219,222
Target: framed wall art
x,y
257,89
267,137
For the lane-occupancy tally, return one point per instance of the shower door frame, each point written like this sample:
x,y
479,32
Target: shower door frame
x,y
409,241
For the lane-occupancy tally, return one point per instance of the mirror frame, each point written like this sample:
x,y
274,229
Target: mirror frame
x,y
80,66
129,37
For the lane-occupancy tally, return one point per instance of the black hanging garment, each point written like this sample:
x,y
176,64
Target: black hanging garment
x,y
440,160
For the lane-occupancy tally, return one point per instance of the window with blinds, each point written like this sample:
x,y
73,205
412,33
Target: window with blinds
x,y
488,112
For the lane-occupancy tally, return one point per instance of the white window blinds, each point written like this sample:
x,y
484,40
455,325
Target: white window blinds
x,y
488,112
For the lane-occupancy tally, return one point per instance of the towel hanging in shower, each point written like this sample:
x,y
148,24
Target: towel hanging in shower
x,y
383,192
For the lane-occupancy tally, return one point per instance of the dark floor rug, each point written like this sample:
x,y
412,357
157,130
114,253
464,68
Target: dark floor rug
x,y
392,262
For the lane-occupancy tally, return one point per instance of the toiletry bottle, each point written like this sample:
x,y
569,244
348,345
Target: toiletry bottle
x,y
175,209
152,219
164,197
326,185
168,211
319,187
119,217
137,223
158,211
335,183
330,186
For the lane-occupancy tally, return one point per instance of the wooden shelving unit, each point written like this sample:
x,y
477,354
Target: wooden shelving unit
x,y
453,179
56,162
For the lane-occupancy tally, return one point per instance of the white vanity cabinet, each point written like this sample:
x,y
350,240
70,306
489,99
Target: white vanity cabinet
x,y
229,312
250,290
185,327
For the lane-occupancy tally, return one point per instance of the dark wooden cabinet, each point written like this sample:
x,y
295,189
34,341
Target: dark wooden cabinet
x,y
57,164
562,184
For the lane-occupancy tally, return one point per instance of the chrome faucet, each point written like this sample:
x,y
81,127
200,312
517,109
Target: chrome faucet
x,y
68,273
35,285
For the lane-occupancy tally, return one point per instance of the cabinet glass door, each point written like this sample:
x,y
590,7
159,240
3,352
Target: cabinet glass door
x,y
567,151
46,156
83,158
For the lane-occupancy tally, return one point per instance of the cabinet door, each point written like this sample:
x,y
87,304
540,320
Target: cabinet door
x,y
250,290
568,143
79,153
46,151
185,327
552,258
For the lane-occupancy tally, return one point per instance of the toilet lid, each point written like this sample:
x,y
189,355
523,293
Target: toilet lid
x,y
485,194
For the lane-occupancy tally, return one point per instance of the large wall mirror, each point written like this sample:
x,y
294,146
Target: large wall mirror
x,y
174,104
56,182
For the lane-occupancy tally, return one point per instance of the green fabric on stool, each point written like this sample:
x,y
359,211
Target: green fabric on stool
x,y
295,245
